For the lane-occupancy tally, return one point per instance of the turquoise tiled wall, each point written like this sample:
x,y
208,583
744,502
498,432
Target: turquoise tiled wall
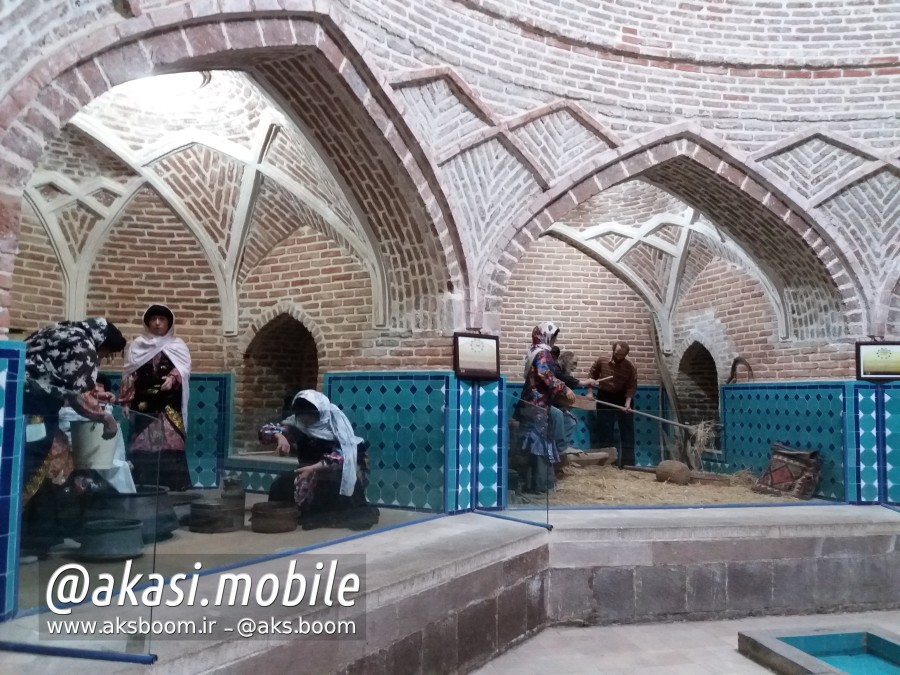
x,y
865,478
461,447
646,431
490,428
403,418
12,359
475,446
806,416
210,424
891,435
435,442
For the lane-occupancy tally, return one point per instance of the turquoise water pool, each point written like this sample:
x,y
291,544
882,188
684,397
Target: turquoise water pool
x,y
861,653
861,664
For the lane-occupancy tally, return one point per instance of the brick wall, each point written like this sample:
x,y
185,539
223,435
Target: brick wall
x,y
555,282
637,93
727,309
37,290
151,257
332,288
754,32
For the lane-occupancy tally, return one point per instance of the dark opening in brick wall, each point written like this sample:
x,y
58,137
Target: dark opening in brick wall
x,y
697,385
281,359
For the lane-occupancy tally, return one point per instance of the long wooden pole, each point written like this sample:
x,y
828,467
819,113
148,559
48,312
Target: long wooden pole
x,y
653,417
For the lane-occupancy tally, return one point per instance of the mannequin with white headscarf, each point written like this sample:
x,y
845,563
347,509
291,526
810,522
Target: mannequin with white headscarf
x,y
155,386
329,479
545,433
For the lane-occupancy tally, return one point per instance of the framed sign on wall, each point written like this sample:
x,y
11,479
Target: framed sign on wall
x,y
476,356
878,361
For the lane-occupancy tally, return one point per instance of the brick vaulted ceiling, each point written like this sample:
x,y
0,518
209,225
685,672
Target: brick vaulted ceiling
x,y
212,151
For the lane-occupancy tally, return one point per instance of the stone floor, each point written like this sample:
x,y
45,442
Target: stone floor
x,y
697,648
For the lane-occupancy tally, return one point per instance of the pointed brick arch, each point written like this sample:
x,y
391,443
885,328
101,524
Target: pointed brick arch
x,y
714,339
697,385
281,352
696,166
288,308
58,88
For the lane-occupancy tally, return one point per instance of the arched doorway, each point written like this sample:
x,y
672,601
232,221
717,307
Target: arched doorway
x,y
697,385
280,360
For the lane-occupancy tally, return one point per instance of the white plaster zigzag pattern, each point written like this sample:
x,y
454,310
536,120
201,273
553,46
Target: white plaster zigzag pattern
x,y
663,306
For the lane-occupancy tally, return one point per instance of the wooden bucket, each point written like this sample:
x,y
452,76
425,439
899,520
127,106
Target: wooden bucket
x,y
216,517
273,517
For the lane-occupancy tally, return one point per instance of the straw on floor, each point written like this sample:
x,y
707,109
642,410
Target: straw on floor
x,y
608,486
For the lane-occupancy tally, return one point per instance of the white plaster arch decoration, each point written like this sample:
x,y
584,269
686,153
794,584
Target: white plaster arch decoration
x,y
98,59
74,272
288,308
101,135
702,148
60,246
254,167
253,162
370,257
75,192
689,225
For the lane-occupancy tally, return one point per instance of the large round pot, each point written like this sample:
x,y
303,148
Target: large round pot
x,y
273,517
111,539
150,504
216,516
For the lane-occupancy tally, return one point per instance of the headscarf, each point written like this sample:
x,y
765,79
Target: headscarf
x,y
148,345
332,425
540,342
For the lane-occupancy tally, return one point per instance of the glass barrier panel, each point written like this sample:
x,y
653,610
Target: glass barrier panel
x,y
534,456
284,484
394,477
616,455
86,527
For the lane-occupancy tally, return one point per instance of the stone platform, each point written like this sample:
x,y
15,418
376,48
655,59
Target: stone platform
x,y
445,596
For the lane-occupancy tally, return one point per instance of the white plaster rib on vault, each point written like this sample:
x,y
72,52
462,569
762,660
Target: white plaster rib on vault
x,y
355,238
689,225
